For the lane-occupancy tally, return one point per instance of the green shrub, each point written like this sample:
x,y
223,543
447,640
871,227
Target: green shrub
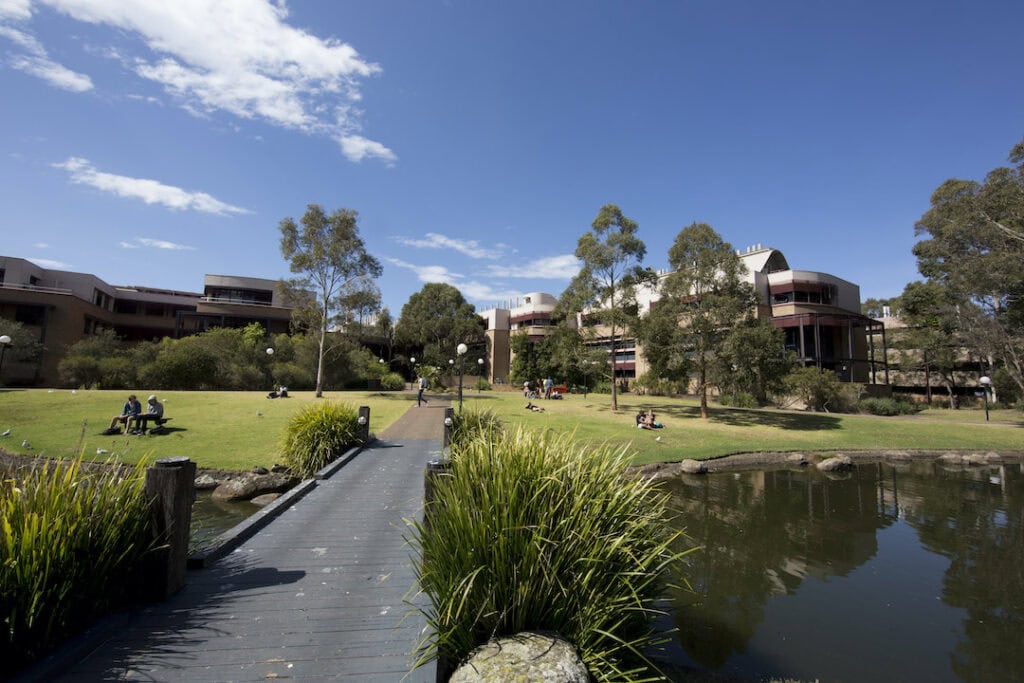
x,y
822,391
888,406
482,385
392,381
69,540
742,399
317,434
533,531
655,386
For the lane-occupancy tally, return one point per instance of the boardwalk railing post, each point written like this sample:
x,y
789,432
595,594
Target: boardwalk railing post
x,y
170,485
364,423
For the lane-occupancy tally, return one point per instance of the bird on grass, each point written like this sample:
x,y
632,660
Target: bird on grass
x,y
6,433
26,444
101,451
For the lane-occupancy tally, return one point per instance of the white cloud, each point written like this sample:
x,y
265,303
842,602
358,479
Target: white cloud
x,y
234,56
562,267
428,273
41,245
37,63
435,240
50,263
16,9
356,148
473,290
156,244
149,191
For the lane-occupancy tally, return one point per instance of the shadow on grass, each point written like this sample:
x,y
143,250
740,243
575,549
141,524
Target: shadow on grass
x,y
743,417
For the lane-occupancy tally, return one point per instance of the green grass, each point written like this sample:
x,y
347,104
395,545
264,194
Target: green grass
x,y
217,429
738,430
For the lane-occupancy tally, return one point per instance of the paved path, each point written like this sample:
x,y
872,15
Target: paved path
x,y
318,594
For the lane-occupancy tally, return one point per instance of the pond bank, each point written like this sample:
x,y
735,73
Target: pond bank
x,y
740,462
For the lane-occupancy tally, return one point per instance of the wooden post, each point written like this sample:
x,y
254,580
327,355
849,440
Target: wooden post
x,y
170,486
364,423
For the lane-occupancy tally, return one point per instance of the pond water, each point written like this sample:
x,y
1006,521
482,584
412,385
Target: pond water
x,y
210,518
905,572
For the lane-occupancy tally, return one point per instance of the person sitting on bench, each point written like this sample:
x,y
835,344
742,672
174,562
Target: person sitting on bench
x,y
155,412
129,413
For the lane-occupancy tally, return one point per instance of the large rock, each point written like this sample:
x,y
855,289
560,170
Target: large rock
x,y
265,499
693,467
250,485
835,464
528,656
796,459
204,482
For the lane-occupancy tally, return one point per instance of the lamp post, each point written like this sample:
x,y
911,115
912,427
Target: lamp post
x,y
986,382
5,341
460,350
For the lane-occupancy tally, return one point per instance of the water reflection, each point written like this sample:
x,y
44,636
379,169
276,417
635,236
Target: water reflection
x,y
906,572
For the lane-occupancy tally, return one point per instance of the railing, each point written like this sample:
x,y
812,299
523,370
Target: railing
x,y
231,300
35,288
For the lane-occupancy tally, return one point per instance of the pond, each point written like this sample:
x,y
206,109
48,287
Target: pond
x,y
907,572
210,518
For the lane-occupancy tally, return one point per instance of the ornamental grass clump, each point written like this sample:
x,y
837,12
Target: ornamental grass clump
x,y
474,424
533,531
317,434
70,541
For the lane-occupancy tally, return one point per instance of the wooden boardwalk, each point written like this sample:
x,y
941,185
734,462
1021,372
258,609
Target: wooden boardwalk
x,y
319,594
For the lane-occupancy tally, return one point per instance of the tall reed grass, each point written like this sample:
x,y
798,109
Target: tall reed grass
x,y
69,540
532,531
473,424
317,434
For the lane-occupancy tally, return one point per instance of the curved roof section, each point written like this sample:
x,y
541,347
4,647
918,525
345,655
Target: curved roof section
x,y
764,260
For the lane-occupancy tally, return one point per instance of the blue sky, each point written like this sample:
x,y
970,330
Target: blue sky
x,y
150,142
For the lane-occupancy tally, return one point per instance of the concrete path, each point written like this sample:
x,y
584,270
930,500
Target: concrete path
x,y
318,594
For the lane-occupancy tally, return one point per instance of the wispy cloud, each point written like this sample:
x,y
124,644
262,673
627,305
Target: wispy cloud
x,y
50,263
562,267
155,244
41,245
35,61
149,191
235,56
433,240
472,289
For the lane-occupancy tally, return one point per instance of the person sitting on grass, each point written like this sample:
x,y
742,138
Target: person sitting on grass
x,y
651,422
129,412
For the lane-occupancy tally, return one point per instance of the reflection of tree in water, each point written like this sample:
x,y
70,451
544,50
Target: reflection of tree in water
x,y
976,519
761,534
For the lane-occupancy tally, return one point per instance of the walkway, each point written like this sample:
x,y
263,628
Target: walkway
x,y
318,594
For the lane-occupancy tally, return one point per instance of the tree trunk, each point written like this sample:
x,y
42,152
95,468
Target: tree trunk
x,y
703,389
615,397
320,356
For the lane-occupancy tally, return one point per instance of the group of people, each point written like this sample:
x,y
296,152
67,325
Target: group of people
x,y
531,389
134,420
647,420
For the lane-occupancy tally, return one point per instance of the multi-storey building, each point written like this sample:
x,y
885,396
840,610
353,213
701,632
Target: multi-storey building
x,y
63,307
819,313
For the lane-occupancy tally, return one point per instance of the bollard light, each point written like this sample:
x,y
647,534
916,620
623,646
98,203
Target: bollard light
x,y
361,420
270,352
447,422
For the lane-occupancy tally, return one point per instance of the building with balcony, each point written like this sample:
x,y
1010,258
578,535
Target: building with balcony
x,y
819,314
63,307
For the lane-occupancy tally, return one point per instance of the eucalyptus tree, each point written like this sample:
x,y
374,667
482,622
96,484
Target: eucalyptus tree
x,y
974,250
436,320
707,294
328,255
604,288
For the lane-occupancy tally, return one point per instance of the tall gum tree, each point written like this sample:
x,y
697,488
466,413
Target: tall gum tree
x,y
611,254
974,250
328,255
708,288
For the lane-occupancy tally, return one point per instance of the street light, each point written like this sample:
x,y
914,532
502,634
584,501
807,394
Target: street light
x,y
5,341
270,351
460,350
986,382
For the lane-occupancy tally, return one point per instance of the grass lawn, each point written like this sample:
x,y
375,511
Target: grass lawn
x,y
218,429
737,430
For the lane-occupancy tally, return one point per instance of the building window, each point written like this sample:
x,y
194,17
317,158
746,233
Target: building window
x,y
127,307
782,298
2,272
156,310
29,315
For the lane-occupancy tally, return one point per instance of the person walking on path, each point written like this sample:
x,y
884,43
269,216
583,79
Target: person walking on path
x,y
422,381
